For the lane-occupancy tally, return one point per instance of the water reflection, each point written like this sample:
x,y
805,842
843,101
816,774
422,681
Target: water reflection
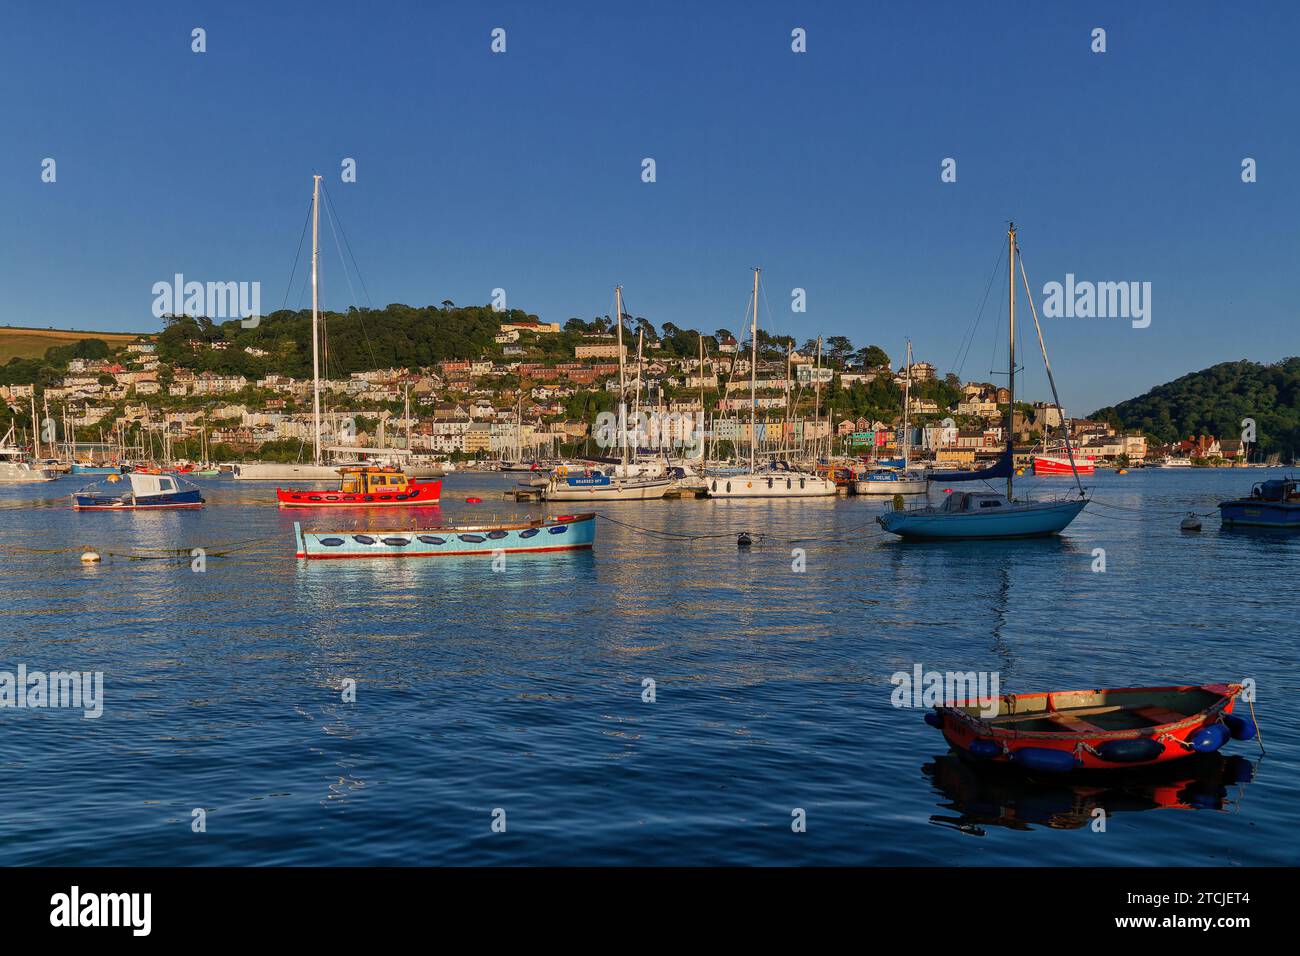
x,y
1007,797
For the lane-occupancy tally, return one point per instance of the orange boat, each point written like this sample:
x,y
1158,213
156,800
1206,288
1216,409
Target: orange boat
x,y
1096,729
365,486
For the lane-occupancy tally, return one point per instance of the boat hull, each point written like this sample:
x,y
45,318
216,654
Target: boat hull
x,y
421,495
259,471
1067,731
1021,522
566,533
906,486
618,489
1253,513
771,486
181,500
1051,467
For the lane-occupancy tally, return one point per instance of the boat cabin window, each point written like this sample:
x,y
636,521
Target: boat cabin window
x,y
990,503
350,486
166,484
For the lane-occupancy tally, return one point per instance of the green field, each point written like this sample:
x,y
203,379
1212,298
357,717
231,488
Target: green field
x,y
32,343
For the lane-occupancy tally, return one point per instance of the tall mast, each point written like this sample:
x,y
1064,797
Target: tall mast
x,y
315,318
817,403
1011,345
907,400
753,381
36,434
702,429
622,379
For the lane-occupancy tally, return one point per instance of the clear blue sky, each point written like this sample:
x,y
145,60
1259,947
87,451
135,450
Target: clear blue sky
x,y
523,170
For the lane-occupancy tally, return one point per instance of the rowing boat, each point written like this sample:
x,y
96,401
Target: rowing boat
x,y
563,533
1064,731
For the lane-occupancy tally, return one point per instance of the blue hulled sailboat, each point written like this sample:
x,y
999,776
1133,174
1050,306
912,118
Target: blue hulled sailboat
x,y
992,514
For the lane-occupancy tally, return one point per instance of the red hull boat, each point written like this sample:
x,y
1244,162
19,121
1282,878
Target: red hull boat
x,y
1051,465
1096,729
365,487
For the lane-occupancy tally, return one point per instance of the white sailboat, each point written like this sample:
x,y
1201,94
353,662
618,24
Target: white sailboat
x,y
887,481
777,479
15,468
627,480
316,470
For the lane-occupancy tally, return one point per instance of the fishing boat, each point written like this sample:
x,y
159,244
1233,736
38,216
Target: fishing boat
x,y
141,492
563,533
1271,504
364,486
777,479
1065,731
965,515
1058,466
896,481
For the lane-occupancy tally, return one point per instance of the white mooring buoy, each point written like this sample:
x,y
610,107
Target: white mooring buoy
x,y
90,557
1190,523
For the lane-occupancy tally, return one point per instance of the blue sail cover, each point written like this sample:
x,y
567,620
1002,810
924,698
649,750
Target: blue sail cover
x,y
1002,468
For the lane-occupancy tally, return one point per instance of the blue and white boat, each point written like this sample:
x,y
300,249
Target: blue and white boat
x,y
1271,504
138,492
992,514
563,533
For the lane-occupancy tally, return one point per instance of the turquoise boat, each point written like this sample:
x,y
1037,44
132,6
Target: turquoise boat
x,y
1271,504
967,514
562,533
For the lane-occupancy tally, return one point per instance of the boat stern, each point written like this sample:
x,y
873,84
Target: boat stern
x,y
299,540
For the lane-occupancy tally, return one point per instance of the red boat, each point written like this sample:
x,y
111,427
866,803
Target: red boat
x,y
1060,465
1065,731
365,486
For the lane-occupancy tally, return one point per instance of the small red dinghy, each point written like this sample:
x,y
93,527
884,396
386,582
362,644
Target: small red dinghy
x,y
1127,727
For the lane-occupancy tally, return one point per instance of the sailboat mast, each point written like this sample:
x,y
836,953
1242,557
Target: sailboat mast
x,y
753,382
315,318
907,400
36,434
817,405
703,432
1011,367
622,378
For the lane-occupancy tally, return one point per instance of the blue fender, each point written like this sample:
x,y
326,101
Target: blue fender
x,y
1044,759
1241,728
1135,750
1209,739
934,719
984,749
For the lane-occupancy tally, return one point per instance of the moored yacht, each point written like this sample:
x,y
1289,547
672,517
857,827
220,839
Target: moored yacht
x,y
991,514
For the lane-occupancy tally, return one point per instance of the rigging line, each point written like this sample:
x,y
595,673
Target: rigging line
x,y
348,245
1051,380
296,256
331,216
964,347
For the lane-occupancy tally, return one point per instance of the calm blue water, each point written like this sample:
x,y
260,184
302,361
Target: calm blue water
x,y
521,690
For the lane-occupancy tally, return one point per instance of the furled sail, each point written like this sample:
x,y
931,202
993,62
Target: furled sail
x,y
999,469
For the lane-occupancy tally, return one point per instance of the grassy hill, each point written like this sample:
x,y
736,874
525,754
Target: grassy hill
x,y
21,342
